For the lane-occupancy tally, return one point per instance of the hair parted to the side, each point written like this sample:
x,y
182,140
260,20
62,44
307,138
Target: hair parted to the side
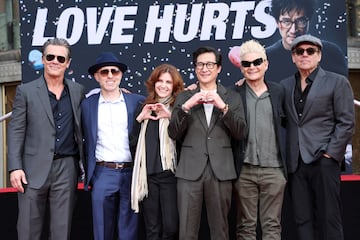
x,y
207,49
280,7
178,82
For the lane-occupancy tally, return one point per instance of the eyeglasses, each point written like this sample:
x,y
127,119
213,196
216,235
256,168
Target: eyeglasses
x,y
51,57
105,72
209,65
300,51
301,22
256,62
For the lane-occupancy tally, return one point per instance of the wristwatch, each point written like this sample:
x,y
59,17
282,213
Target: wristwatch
x,y
225,109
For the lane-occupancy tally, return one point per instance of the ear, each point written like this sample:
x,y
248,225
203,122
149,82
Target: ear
x,y
219,69
266,65
95,76
68,63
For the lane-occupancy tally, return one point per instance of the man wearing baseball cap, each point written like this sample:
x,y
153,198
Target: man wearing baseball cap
x,y
320,122
107,122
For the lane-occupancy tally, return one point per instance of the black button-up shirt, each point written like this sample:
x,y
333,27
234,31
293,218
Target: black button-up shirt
x,y
301,96
65,143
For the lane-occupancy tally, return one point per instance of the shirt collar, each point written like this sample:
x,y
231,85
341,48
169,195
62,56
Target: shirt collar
x,y
118,100
310,79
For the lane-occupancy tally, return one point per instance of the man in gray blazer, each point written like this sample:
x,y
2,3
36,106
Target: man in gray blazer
x,y
44,146
204,121
320,112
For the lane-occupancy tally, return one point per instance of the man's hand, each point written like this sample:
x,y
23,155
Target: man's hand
x,y
240,82
17,179
191,87
215,99
125,90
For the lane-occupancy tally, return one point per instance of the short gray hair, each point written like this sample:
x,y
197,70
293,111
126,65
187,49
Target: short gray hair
x,y
58,42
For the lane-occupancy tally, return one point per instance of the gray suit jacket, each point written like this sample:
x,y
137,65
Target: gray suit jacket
x,y
200,142
327,123
31,131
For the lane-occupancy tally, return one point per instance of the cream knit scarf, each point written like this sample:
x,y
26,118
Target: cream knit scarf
x,y
139,187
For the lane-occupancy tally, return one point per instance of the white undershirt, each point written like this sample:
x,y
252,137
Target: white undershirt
x,y
208,108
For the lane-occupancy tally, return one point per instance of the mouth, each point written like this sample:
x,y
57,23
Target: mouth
x,y
163,91
205,75
253,71
110,82
291,37
304,61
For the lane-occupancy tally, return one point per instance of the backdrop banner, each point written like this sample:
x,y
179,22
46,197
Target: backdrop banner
x,y
144,34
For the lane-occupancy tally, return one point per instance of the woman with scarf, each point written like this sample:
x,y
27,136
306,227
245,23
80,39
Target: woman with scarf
x,y
154,154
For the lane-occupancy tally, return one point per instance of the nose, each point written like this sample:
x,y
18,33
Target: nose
x,y
110,75
293,28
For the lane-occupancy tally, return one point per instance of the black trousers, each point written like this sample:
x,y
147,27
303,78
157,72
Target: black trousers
x,y
160,207
315,196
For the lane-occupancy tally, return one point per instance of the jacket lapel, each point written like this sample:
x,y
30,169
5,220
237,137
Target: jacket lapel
x,y
93,109
317,85
216,114
291,101
43,94
199,111
74,105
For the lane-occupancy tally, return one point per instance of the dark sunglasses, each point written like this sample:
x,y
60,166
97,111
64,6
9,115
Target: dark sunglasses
x,y
51,57
105,72
256,62
309,51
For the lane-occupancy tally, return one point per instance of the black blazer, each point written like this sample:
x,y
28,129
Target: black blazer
x,y
200,143
277,97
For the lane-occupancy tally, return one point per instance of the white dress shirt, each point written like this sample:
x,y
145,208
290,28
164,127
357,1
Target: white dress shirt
x,y
112,135
208,108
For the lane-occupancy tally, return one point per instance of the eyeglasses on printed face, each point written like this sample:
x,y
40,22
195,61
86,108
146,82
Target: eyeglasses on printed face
x,y
256,62
51,57
105,72
301,22
209,65
300,51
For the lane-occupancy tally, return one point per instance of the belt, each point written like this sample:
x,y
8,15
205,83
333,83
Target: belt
x,y
115,165
57,156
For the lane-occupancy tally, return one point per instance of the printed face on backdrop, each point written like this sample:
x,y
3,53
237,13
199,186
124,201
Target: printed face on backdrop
x,y
291,25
